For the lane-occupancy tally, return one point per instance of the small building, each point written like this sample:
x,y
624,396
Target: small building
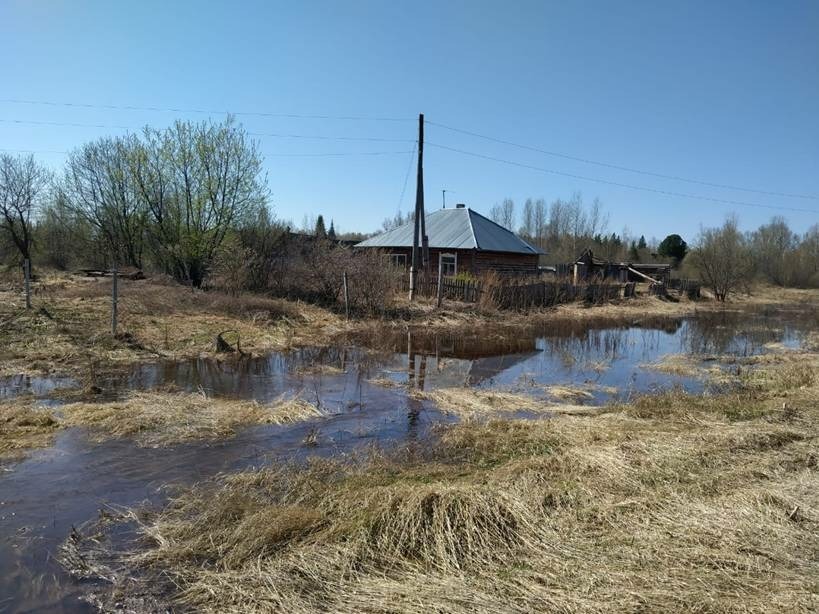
x,y
461,240
588,266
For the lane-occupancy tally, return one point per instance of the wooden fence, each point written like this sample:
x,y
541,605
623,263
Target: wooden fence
x,y
520,295
689,287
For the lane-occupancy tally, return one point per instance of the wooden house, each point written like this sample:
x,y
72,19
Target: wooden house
x,y
461,240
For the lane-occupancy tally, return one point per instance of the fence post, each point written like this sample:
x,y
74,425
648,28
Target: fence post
x,y
346,298
114,297
440,289
27,275
412,284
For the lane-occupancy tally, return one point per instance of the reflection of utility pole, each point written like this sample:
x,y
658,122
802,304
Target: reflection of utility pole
x,y
410,362
420,249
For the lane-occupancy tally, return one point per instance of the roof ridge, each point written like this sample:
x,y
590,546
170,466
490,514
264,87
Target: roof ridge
x,y
471,227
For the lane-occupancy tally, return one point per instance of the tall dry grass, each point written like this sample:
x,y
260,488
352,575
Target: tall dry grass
x,y
673,503
162,418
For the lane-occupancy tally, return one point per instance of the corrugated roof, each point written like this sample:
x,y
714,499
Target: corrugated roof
x,y
459,228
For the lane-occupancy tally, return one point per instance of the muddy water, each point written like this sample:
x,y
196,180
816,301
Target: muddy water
x,y
42,497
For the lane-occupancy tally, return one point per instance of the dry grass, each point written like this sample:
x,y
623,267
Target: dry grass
x,y
672,503
159,419
683,365
69,327
575,393
473,403
24,426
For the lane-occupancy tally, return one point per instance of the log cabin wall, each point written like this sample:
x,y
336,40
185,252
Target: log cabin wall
x,y
476,262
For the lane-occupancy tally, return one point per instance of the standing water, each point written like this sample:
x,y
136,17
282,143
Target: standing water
x,y
67,484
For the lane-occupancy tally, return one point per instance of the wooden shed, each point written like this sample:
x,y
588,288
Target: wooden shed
x,y
587,266
461,240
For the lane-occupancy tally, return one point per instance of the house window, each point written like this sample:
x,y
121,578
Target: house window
x,y
398,260
449,265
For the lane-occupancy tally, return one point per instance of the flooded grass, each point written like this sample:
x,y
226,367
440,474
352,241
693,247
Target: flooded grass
x,y
161,419
24,427
620,502
470,403
674,503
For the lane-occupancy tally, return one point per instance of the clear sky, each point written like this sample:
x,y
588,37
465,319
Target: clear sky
x,y
721,92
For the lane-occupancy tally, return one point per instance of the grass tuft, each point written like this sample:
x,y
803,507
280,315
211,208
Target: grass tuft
x,y
160,418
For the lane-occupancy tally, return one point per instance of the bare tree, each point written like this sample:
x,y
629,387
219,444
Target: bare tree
x,y
504,213
539,220
723,259
773,244
527,222
23,183
399,220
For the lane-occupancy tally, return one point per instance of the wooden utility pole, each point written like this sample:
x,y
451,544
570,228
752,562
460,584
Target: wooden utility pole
x,y
346,297
114,299
420,244
439,292
27,275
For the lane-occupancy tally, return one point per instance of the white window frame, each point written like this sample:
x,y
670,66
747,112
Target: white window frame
x,y
454,264
398,260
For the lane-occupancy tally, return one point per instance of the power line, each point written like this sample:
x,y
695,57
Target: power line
x,y
329,138
350,153
204,111
260,134
288,155
32,151
406,177
622,185
69,124
623,168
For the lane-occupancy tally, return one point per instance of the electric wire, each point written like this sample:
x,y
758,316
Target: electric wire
x,y
622,185
622,168
113,107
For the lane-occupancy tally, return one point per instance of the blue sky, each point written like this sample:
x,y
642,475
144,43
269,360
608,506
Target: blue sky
x,y
722,92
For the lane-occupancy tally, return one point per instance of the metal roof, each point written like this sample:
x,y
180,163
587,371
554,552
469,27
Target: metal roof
x,y
459,228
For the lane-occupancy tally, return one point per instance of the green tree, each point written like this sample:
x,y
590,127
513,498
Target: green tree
x,y
331,234
320,231
674,247
99,186
634,252
641,244
198,182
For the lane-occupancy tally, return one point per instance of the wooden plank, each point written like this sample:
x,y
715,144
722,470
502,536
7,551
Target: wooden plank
x,y
654,281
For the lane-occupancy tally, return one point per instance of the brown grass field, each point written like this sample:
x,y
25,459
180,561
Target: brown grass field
x,y
673,503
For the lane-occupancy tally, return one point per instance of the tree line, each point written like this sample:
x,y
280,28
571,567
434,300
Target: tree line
x,y
725,258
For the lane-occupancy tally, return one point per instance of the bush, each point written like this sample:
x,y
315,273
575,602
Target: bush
x,y
308,269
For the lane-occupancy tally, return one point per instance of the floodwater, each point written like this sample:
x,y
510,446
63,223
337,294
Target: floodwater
x,y
55,489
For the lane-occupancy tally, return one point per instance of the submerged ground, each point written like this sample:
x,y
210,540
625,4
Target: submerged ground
x,y
646,456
